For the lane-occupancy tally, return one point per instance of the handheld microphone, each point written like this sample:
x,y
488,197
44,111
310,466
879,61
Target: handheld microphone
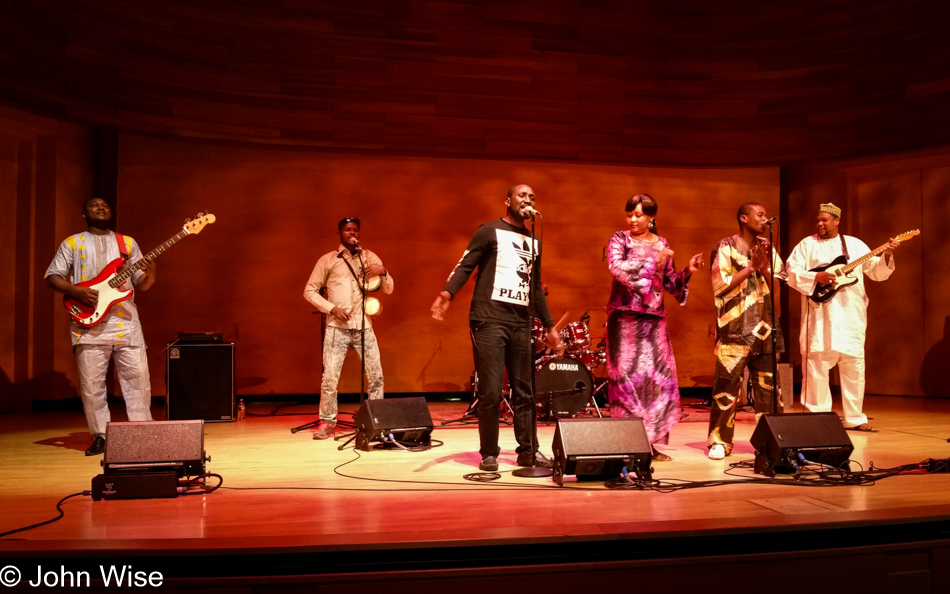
x,y
530,211
356,242
770,221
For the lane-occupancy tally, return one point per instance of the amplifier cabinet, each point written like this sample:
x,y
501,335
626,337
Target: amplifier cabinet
x,y
199,382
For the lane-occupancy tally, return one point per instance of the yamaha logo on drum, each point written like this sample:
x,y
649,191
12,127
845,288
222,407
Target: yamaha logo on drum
x,y
555,366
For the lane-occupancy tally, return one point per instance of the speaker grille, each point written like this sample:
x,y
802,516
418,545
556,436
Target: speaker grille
x,y
154,444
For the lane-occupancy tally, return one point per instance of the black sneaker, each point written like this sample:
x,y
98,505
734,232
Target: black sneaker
x,y
488,464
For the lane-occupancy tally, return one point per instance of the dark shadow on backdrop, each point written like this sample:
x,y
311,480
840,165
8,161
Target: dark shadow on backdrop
x,y
936,364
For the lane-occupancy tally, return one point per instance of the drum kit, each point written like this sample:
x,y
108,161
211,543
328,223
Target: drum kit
x,y
564,385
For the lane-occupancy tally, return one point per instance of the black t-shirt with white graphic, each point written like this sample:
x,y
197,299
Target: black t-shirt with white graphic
x,y
502,254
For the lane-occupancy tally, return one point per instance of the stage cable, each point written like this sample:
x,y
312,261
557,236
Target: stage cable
x,y
59,508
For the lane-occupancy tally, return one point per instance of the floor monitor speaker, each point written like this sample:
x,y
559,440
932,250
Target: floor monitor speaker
x,y
599,449
406,419
783,442
155,446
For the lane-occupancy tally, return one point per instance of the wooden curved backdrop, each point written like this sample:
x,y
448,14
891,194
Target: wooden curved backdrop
x,y
733,82
282,117
277,212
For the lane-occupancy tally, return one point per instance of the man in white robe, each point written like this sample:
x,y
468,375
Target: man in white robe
x,y
834,333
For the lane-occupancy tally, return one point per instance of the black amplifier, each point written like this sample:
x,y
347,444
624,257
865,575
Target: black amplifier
x,y
200,337
135,485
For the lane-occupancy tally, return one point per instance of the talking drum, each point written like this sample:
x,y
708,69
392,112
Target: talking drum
x,y
372,282
373,306
562,387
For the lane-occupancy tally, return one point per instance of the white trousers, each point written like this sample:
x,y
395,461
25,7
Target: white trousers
x,y
817,394
131,367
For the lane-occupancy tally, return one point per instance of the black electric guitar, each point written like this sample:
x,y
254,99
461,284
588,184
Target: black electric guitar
x,y
841,269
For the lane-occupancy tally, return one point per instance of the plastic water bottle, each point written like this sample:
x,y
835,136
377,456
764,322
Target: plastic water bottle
x,y
240,410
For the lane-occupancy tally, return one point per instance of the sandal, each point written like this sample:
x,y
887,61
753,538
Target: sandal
x,y
862,427
659,456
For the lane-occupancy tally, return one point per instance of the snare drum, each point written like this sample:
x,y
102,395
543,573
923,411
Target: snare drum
x,y
562,386
576,337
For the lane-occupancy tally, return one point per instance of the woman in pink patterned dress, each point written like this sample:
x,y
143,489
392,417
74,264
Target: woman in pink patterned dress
x,y
640,365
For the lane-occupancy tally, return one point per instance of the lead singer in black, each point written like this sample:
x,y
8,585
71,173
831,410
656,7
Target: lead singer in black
x,y
500,323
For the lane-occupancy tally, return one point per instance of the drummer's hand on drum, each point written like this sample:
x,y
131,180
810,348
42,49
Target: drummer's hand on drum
x,y
441,305
553,340
376,270
340,314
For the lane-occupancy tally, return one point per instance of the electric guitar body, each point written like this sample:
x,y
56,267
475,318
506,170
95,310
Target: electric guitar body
x,y
87,316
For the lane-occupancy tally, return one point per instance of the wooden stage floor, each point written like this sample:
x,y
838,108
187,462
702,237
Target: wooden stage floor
x,y
302,507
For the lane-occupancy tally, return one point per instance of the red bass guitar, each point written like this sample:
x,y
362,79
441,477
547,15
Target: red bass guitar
x,y
113,275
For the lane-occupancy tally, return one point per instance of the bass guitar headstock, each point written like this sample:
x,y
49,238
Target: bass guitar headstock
x,y
195,225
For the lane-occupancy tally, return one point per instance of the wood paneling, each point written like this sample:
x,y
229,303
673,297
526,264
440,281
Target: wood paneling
x,y
908,347
277,212
737,82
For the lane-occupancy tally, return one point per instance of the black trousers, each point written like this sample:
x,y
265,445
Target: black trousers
x,y
498,347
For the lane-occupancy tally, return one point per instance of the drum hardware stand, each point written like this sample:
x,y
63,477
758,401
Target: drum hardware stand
x,y
593,400
505,404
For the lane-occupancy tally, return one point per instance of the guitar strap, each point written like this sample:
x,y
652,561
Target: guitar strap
x,y
123,249
844,247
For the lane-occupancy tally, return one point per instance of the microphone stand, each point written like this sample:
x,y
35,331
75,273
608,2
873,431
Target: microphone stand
x,y
362,286
532,471
774,405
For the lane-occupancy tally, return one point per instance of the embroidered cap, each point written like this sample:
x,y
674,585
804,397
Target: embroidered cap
x,y
831,209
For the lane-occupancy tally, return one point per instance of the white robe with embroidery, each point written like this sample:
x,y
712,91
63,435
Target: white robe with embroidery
x,y
841,323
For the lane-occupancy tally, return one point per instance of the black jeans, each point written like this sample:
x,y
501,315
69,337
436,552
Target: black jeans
x,y
497,347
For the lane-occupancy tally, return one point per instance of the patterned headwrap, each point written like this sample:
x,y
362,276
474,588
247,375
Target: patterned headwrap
x,y
831,209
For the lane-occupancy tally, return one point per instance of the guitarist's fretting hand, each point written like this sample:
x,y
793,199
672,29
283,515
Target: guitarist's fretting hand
x,y
892,245
149,277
